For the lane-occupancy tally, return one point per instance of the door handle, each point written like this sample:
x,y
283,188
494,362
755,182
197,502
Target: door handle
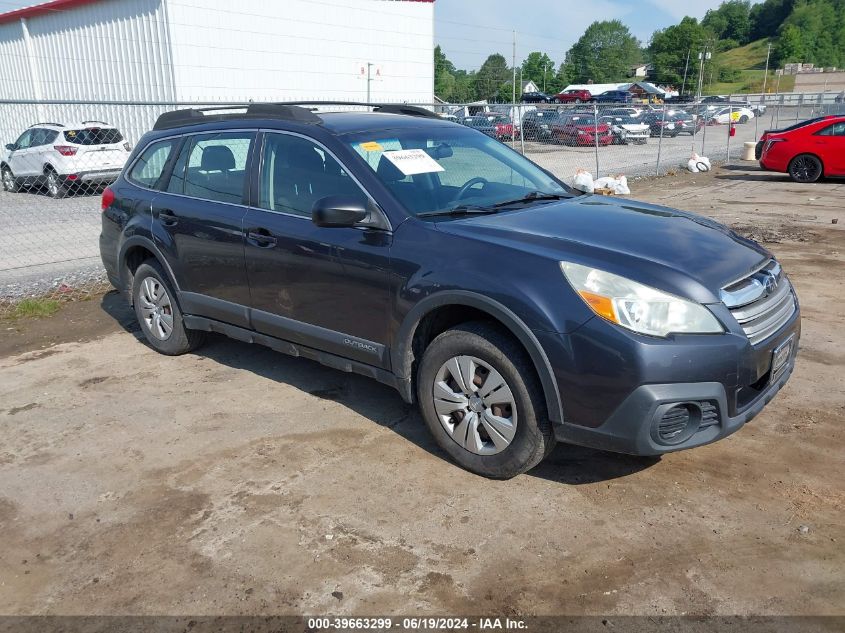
x,y
167,217
261,238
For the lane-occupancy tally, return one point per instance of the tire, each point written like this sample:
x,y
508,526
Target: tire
x,y
805,168
516,409
55,187
10,183
154,300
743,118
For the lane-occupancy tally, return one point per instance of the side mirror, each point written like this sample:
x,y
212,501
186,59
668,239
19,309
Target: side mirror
x,y
339,211
11,147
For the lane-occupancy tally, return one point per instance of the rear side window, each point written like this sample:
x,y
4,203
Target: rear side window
x,y
216,166
837,129
148,169
94,136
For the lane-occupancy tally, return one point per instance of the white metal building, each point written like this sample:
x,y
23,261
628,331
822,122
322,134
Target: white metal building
x,y
219,50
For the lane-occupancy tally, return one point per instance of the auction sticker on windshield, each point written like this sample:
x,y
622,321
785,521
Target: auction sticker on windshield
x,y
413,161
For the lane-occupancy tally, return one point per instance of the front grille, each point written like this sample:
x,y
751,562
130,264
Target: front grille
x,y
761,303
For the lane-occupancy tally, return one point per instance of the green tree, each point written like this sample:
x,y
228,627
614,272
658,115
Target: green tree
x,y
604,53
444,75
669,48
731,20
493,73
813,33
539,68
766,17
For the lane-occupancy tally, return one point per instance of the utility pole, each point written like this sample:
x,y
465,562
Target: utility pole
x,y
513,63
766,74
545,68
686,68
369,80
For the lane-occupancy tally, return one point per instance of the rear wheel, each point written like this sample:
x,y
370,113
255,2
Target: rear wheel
x,y
743,118
10,183
55,186
158,312
805,168
482,401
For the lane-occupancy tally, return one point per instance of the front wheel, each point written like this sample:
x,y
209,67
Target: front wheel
x,y
10,183
743,118
158,312
482,401
805,168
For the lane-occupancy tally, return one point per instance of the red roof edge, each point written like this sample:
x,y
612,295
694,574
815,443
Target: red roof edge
x,y
41,9
63,5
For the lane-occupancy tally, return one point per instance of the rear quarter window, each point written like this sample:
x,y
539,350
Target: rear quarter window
x,y
148,170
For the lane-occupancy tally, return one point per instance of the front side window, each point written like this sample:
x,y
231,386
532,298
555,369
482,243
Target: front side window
x,y
148,169
24,140
439,169
296,172
215,167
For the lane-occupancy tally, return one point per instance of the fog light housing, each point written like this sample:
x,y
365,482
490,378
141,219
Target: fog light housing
x,y
675,423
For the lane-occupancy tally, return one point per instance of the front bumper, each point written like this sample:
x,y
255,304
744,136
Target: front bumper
x,y
616,387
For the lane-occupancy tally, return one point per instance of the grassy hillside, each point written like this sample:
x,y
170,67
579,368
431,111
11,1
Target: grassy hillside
x,y
750,60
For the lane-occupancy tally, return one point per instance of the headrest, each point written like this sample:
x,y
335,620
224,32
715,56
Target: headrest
x,y
217,158
308,160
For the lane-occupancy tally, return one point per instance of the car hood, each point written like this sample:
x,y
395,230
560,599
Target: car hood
x,y
676,251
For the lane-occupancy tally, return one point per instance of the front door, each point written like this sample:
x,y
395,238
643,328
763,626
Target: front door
x,y
325,288
21,159
831,144
198,219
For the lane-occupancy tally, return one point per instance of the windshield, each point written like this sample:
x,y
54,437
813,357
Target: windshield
x,y
445,168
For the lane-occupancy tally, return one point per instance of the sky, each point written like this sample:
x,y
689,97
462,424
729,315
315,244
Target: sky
x,y
470,30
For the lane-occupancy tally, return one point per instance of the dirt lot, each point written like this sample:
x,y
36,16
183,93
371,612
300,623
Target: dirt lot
x,y
238,480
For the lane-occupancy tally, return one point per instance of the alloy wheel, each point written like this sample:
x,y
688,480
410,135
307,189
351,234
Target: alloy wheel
x,y
805,169
156,308
8,180
475,405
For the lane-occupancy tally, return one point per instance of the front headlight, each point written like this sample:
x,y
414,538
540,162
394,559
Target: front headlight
x,y
637,307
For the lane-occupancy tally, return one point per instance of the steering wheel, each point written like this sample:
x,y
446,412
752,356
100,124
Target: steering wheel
x,y
478,180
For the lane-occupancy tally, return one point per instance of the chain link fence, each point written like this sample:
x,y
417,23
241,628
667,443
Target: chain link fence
x,y
60,155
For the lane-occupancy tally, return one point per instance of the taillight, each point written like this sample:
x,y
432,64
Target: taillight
x,y
107,199
65,150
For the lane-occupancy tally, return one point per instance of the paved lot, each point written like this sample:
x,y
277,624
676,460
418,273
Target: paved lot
x,y
237,480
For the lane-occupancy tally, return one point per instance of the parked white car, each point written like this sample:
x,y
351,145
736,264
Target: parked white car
x,y
627,129
735,114
64,156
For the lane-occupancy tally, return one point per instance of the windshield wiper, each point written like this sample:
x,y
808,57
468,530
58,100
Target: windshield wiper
x,y
463,209
531,196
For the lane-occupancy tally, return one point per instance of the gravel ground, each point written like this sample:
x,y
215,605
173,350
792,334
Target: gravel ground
x,y
241,481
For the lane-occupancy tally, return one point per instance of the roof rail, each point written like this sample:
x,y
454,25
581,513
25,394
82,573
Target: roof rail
x,y
386,108
103,122
46,123
198,116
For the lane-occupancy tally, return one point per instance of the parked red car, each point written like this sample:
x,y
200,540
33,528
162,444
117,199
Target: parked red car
x,y
573,96
807,152
581,129
504,126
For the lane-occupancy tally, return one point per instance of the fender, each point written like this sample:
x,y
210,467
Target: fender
x,y
147,243
401,352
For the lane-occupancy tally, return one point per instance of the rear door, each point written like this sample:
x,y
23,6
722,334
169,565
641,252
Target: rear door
x,y
198,222
831,143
